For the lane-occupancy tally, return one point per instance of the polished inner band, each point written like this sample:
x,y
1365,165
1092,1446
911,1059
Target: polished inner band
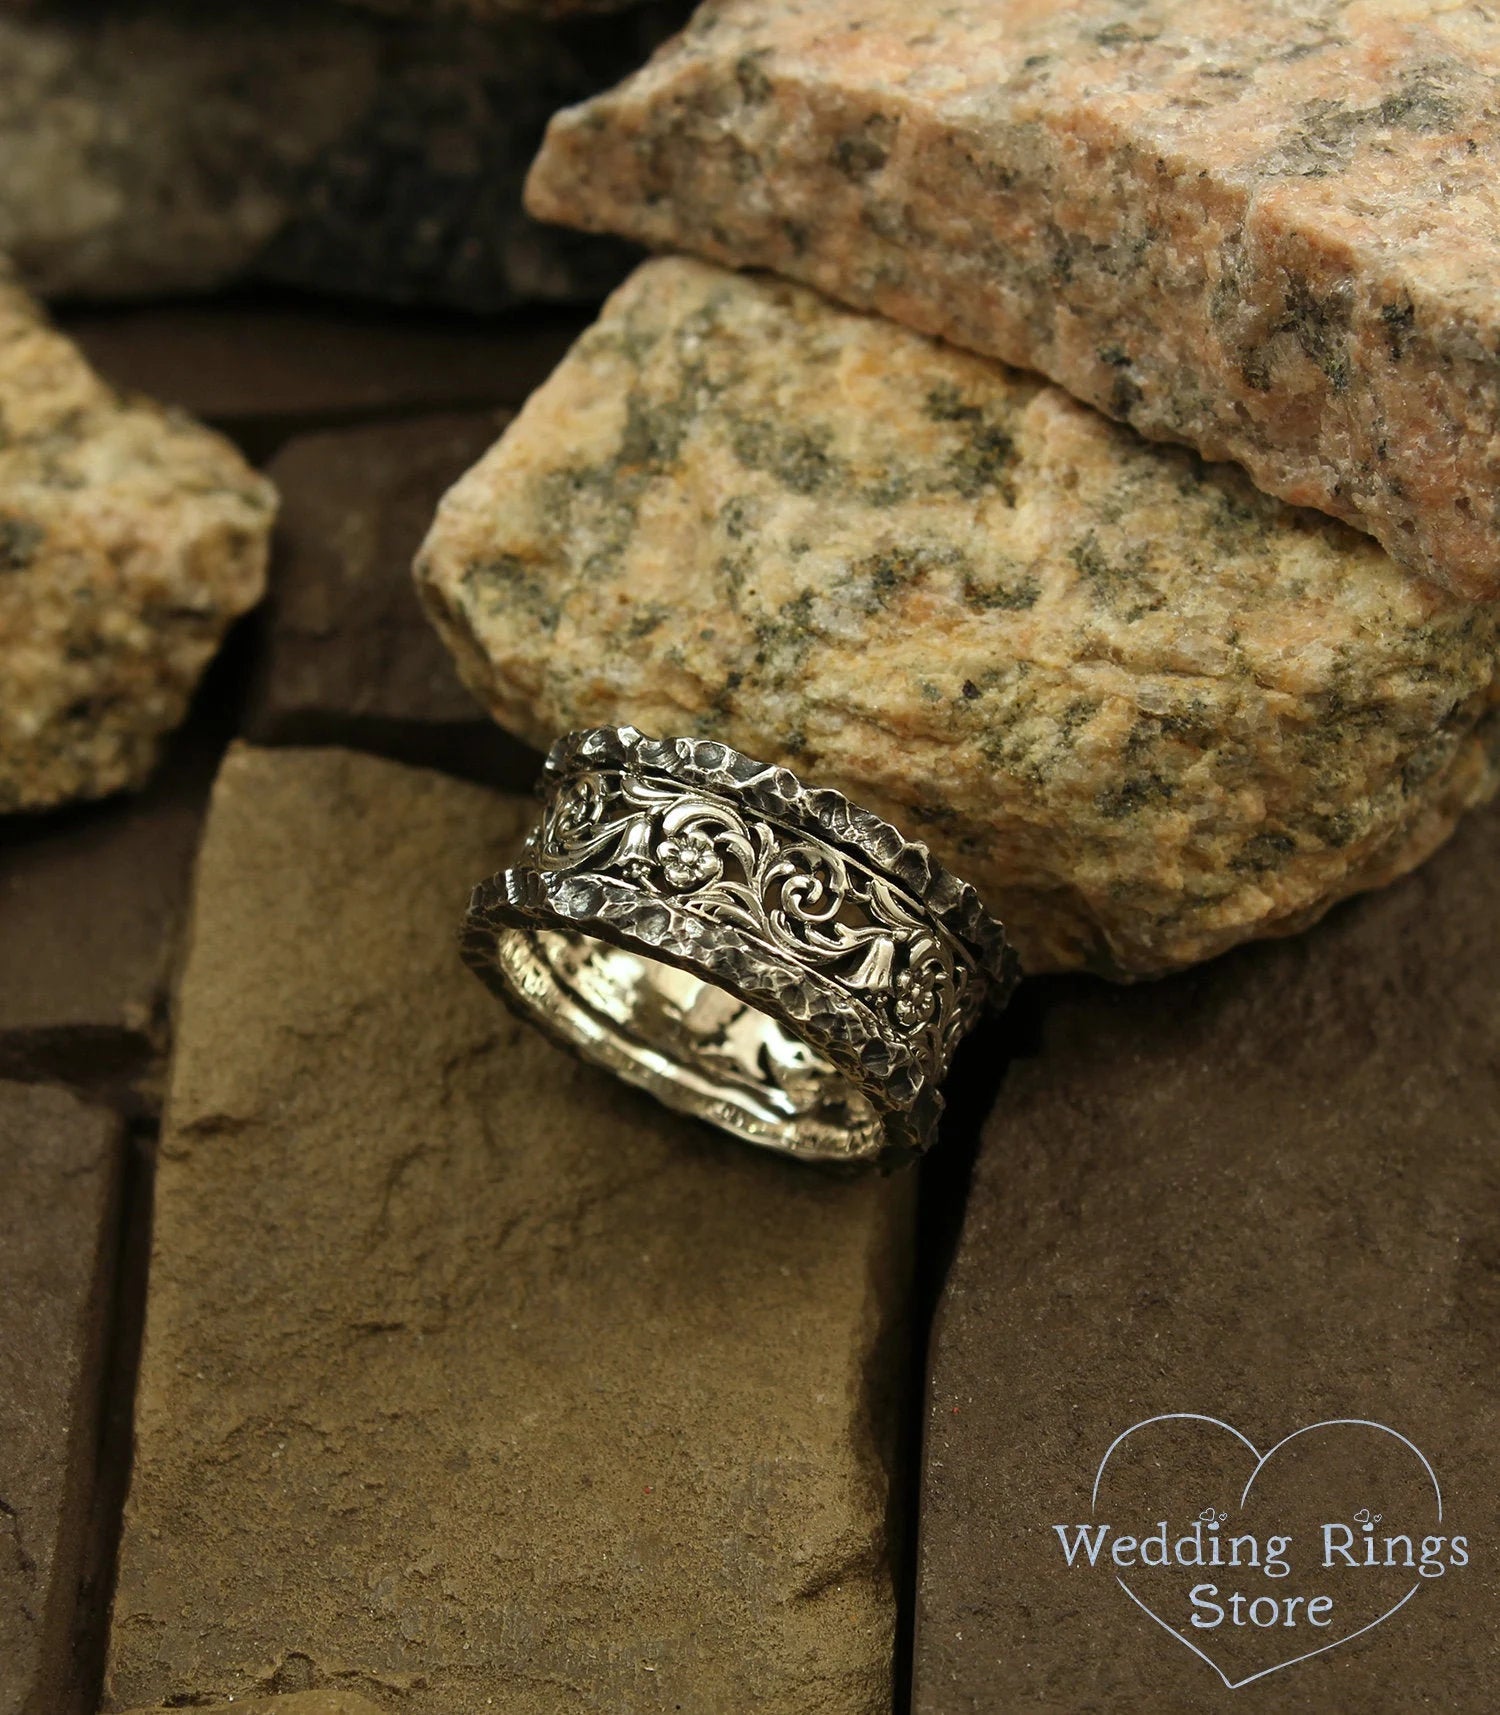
x,y
691,1043
766,956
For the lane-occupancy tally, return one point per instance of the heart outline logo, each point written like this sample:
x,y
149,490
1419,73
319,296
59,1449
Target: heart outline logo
x,y
1260,1463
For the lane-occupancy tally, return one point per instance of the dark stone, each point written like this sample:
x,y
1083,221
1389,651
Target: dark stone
x,y
348,656
265,370
92,903
164,147
60,1165
419,201
1267,1191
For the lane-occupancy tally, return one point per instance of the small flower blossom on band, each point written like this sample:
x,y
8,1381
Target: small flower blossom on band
x,y
688,859
916,994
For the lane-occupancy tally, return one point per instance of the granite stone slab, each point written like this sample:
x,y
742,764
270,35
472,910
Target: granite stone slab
x,y
1149,710
157,147
471,1377
60,1165
346,654
1269,1192
130,539
1270,232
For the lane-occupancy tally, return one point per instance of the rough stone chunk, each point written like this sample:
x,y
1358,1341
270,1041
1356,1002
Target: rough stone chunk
x,y
305,144
1270,232
1147,709
1267,1191
347,656
60,1167
470,1374
129,539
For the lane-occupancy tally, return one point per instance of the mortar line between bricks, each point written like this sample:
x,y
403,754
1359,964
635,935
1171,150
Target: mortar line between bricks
x,y
975,1088
127,1320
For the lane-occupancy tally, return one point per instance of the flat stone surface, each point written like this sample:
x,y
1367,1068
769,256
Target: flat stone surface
x,y
1148,710
130,538
1271,233
348,656
469,1373
306,144
92,903
299,1703
60,1164
1269,1192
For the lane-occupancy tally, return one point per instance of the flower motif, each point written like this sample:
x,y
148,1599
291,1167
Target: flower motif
x,y
916,994
688,859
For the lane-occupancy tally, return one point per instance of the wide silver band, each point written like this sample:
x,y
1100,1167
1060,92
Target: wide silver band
x,y
762,954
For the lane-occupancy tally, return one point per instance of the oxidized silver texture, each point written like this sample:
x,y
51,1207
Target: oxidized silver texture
x,y
831,966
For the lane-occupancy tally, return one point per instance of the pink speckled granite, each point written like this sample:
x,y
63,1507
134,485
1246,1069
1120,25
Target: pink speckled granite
x,y
1272,232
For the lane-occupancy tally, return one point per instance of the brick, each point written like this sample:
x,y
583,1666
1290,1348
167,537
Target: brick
x,y
1267,1191
347,655
470,1374
60,1164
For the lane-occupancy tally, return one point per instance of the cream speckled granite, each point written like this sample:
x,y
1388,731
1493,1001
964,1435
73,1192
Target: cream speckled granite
x,y
130,538
1149,710
1271,232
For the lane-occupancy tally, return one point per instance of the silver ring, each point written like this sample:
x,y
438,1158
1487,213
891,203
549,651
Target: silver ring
x,y
764,955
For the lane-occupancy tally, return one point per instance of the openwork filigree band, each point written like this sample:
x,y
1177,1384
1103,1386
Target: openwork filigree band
x,y
762,954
